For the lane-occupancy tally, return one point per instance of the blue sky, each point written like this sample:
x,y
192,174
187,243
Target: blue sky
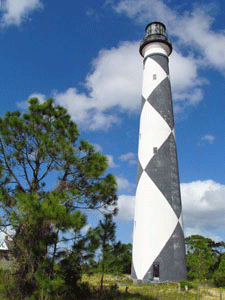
x,y
85,54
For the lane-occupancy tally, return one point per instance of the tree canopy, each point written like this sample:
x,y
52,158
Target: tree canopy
x,y
48,178
203,256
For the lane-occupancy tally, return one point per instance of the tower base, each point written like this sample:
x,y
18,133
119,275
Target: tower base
x,y
170,264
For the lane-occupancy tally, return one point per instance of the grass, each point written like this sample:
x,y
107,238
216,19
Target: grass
x,y
115,289
162,291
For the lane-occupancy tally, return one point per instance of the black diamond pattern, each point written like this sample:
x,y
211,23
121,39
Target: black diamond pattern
x,y
172,260
143,100
162,169
162,61
139,172
161,100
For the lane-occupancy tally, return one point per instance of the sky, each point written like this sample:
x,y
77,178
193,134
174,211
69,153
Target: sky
x,y
85,54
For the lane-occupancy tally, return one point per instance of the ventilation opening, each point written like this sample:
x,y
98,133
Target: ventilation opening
x,y
154,76
155,150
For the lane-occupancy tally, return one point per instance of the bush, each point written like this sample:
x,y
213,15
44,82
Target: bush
x,y
187,283
219,279
3,275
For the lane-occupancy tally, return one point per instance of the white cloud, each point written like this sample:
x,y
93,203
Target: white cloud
x,y
24,105
126,207
203,206
209,138
191,28
199,231
129,157
98,148
117,73
195,30
133,161
124,184
188,67
186,89
115,83
111,162
15,11
145,10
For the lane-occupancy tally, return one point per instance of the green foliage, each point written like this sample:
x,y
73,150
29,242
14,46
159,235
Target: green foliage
x,y
202,256
121,258
219,274
106,232
47,178
118,260
184,283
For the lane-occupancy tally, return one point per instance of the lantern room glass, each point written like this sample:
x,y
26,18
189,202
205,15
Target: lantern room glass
x,y
155,28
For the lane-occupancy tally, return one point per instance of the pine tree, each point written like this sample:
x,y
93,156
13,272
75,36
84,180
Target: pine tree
x,y
48,177
106,232
202,256
219,274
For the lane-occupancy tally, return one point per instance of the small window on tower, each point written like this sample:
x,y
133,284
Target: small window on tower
x,y
155,150
154,76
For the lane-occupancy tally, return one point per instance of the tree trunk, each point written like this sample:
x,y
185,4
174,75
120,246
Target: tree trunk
x,y
103,271
53,256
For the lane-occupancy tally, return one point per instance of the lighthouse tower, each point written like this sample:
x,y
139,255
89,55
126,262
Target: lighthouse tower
x,y
158,240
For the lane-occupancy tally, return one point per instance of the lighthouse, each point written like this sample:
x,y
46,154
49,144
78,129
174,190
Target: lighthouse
x,y
158,239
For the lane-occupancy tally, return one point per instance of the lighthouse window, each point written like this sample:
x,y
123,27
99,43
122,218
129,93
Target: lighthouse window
x,y
154,76
155,150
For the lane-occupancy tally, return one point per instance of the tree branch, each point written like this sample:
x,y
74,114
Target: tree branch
x,y
47,170
8,167
28,160
25,172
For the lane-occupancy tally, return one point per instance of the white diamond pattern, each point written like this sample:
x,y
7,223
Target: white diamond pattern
x,y
153,132
149,84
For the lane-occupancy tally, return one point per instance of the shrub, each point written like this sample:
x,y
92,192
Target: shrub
x,y
187,283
